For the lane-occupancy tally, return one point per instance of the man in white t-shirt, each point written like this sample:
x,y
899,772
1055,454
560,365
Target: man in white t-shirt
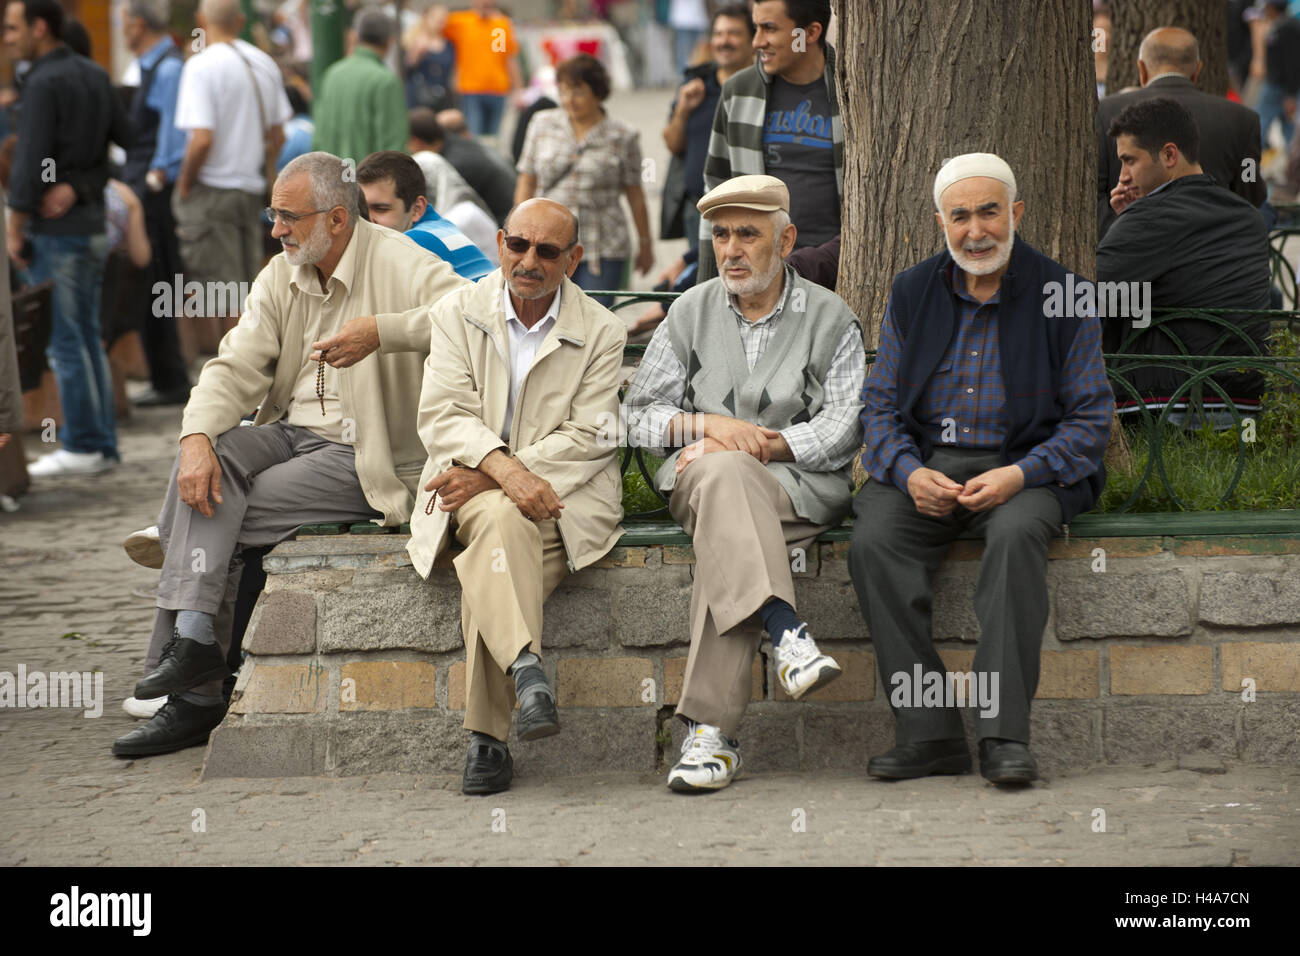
x,y
231,101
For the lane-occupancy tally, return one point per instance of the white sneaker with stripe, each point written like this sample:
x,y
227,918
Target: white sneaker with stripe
x,y
800,666
709,761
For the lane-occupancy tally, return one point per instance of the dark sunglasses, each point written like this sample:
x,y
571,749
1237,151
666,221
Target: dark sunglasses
x,y
519,246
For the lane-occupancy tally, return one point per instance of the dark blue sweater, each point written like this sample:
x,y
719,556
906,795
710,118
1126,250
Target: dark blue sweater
x,y
1033,350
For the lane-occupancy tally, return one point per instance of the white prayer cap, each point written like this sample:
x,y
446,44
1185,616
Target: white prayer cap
x,y
969,165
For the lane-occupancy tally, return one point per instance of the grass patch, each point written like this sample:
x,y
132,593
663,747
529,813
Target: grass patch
x,y
1200,464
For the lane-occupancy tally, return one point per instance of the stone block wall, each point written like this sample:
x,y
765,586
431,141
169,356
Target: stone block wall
x,y
1156,648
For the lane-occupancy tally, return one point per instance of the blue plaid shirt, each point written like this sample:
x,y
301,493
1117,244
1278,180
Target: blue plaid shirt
x,y
964,404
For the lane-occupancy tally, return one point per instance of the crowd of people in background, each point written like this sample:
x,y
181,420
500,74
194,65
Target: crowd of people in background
x,y
160,162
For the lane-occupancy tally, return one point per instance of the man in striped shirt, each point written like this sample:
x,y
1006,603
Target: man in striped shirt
x,y
757,374
780,117
981,413
393,184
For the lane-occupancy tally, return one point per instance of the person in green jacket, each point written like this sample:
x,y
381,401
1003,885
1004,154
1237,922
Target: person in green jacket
x,y
361,106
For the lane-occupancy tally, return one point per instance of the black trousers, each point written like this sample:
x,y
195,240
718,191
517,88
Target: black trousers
x,y
158,334
893,555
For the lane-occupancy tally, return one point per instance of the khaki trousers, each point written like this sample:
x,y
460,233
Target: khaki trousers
x,y
509,567
743,527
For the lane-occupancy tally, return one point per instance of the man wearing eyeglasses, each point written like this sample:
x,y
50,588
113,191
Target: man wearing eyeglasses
x,y
333,440
519,413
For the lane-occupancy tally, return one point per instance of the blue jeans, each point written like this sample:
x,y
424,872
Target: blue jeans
x,y
1269,108
684,44
483,112
610,278
76,353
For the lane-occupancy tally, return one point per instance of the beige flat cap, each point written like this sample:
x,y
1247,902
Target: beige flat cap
x,y
761,193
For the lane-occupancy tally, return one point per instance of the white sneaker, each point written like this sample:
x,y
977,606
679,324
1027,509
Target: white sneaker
x,y
709,761
144,547
800,666
63,462
143,709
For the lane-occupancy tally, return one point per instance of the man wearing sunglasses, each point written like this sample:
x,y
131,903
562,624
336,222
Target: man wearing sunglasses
x,y
333,440
519,413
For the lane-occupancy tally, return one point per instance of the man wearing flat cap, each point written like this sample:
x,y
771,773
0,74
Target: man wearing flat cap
x,y
750,389
980,414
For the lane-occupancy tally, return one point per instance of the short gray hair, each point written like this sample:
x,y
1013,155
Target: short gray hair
x,y
373,27
330,184
779,219
156,14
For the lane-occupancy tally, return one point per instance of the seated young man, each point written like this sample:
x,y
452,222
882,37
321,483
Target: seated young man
x,y
393,185
1192,243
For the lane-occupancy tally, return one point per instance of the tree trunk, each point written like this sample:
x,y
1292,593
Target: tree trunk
x,y
924,80
1131,20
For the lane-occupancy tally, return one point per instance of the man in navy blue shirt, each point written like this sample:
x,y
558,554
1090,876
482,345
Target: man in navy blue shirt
x,y
983,411
153,161
394,189
690,119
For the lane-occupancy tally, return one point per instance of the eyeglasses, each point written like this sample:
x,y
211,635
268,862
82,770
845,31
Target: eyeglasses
x,y
291,219
519,246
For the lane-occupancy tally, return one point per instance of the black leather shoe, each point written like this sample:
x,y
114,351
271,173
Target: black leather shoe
x,y
537,715
488,768
1007,761
184,664
921,760
154,398
177,725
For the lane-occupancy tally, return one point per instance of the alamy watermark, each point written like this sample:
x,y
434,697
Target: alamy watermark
x,y
1079,298
75,908
79,689
945,689
195,299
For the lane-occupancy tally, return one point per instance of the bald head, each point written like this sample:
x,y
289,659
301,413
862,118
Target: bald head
x,y
225,15
545,235
546,216
1169,50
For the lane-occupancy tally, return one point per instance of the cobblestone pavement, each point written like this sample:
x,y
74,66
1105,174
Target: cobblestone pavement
x,y
65,800
70,600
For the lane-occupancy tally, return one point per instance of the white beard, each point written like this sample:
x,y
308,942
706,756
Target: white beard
x,y
313,250
983,267
757,282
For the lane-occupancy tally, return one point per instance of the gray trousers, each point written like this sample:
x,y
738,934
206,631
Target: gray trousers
x,y
274,479
894,552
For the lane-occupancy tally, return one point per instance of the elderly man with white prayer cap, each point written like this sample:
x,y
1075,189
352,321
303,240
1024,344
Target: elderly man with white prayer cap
x,y
981,413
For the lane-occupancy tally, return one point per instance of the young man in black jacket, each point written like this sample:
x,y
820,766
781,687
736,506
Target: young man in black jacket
x,y
56,191
1194,242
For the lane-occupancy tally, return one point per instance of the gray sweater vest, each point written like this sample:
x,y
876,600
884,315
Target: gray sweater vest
x,y
784,389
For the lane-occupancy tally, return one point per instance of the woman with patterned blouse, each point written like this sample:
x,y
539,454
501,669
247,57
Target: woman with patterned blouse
x,y
583,158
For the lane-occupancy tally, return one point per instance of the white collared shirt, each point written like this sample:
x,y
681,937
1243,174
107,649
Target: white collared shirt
x,y
524,343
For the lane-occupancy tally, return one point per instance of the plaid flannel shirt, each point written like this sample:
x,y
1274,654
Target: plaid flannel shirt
x,y
825,443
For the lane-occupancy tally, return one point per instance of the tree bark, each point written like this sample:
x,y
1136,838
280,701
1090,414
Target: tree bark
x,y
1131,20
923,80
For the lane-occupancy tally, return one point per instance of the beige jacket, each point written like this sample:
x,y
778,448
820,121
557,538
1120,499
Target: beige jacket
x,y
566,417
381,273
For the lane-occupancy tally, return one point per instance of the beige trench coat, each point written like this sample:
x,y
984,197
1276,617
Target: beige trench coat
x,y
381,273
566,418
